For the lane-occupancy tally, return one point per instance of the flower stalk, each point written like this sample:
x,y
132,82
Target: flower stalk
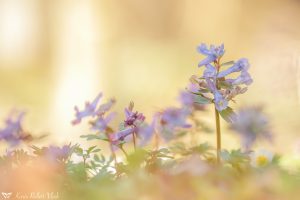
x,y
218,132
217,117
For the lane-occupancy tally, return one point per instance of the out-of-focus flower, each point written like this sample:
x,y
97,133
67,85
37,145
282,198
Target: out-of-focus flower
x,y
186,98
170,120
194,86
261,158
145,133
212,54
175,117
89,110
251,124
105,107
13,133
189,100
102,123
58,153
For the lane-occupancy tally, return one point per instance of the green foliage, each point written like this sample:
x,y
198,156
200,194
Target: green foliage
x,y
228,115
228,63
202,100
236,158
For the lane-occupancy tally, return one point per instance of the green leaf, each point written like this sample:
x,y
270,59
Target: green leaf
x,y
204,90
202,100
164,150
178,148
234,157
228,115
103,158
136,159
78,151
93,150
224,84
91,137
203,148
225,155
228,63
96,150
96,158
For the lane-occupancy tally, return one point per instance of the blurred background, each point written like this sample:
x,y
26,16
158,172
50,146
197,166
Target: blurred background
x,y
55,54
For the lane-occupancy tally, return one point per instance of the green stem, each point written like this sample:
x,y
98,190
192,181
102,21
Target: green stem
x,y
123,150
217,115
218,130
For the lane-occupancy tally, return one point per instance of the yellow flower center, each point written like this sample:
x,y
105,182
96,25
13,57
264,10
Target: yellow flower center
x,y
261,160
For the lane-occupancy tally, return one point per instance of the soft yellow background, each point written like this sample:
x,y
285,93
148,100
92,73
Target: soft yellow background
x,y
58,53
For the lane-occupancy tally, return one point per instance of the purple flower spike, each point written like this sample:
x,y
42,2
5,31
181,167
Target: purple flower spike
x,y
214,80
89,110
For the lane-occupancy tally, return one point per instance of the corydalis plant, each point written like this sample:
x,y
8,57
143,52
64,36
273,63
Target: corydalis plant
x,y
132,128
100,119
218,85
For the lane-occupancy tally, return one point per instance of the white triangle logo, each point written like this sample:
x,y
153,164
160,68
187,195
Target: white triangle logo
x,y
6,195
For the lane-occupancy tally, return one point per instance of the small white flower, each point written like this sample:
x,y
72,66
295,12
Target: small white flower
x,y
261,158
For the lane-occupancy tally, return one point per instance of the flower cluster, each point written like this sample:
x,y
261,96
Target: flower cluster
x,y
216,81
